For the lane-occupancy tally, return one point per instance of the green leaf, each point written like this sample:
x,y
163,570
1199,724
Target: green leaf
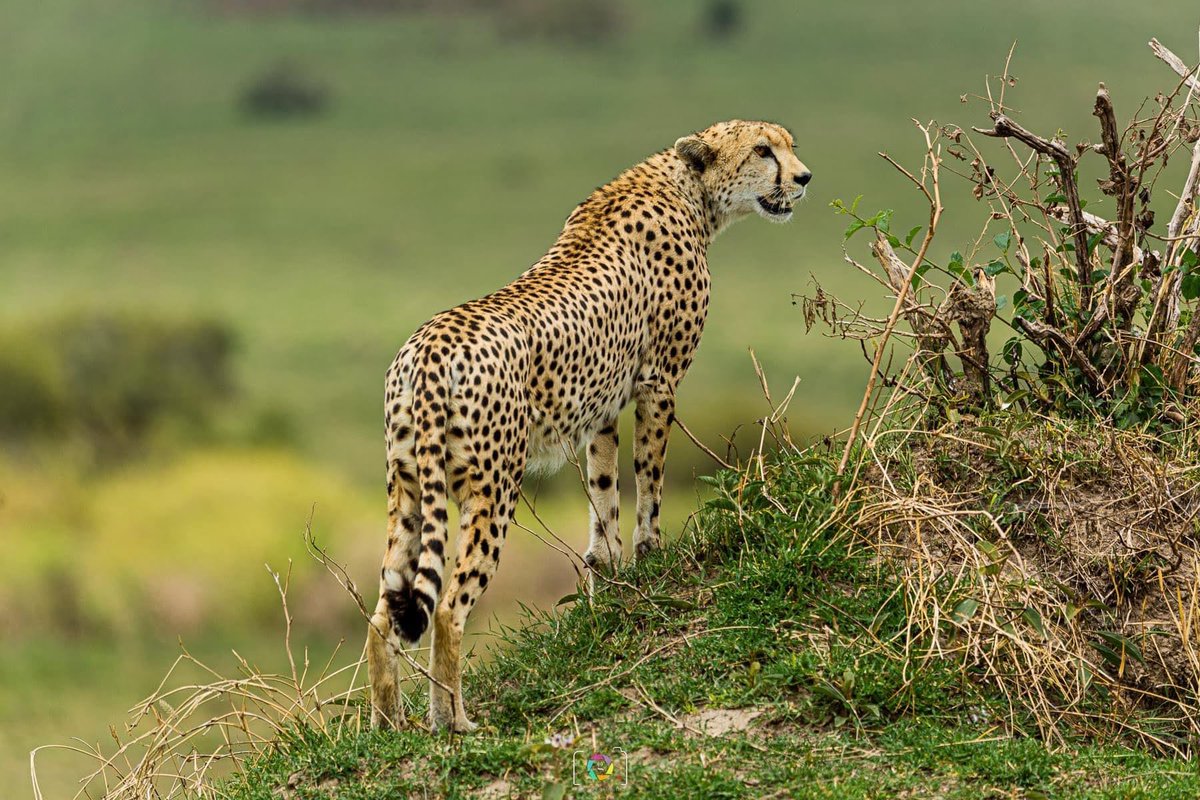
x,y
1190,287
965,610
554,791
919,274
1119,641
959,270
722,504
824,687
1013,399
1084,674
1109,655
1034,619
994,557
908,240
672,602
1189,260
853,228
994,268
570,598
1003,241
1013,350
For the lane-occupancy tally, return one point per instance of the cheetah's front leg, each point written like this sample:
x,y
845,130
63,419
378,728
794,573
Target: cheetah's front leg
x,y
655,413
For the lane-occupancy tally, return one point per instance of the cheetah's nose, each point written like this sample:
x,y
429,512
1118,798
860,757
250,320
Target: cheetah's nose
x,y
803,178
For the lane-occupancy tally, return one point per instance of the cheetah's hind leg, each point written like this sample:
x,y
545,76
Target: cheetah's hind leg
x,y
397,622
483,527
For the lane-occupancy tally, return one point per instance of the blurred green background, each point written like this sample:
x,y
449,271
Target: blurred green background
x,y
220,219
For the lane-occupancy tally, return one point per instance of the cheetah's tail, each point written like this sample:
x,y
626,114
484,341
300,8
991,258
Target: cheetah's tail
x,y
411,604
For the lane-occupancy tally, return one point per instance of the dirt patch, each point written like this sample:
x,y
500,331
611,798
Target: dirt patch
x,y
495,790
720,721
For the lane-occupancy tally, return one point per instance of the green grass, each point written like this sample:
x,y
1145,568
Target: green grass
x,y
754,610
916,759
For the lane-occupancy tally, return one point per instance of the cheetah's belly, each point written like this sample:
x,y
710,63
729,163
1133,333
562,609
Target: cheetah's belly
x,y
556,433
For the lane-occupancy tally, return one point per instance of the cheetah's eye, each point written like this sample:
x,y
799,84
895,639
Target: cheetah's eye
x,y
763,151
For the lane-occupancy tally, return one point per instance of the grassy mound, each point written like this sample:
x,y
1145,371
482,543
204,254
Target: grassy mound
x,y
1056,558
770,652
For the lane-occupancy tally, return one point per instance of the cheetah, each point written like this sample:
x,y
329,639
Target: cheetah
x,y
518,381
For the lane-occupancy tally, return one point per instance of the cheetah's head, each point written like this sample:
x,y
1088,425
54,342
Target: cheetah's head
x,y
747,166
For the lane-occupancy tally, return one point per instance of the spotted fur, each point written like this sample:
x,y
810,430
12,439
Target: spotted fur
x,y
517,381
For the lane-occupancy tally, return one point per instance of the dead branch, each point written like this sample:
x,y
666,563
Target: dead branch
x,y
1182,231
702,446
974,308
1122,185
1041,333
1176,63
1057,151
930,328
1177,371
1107,229
1185,209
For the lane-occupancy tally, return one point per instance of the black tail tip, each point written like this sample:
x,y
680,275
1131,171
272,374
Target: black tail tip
x,y
409,618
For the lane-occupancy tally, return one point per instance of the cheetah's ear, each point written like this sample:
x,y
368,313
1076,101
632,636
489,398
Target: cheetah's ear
x,y
695,153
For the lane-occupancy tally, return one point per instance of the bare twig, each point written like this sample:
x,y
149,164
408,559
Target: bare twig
x,y
702,446
933,192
